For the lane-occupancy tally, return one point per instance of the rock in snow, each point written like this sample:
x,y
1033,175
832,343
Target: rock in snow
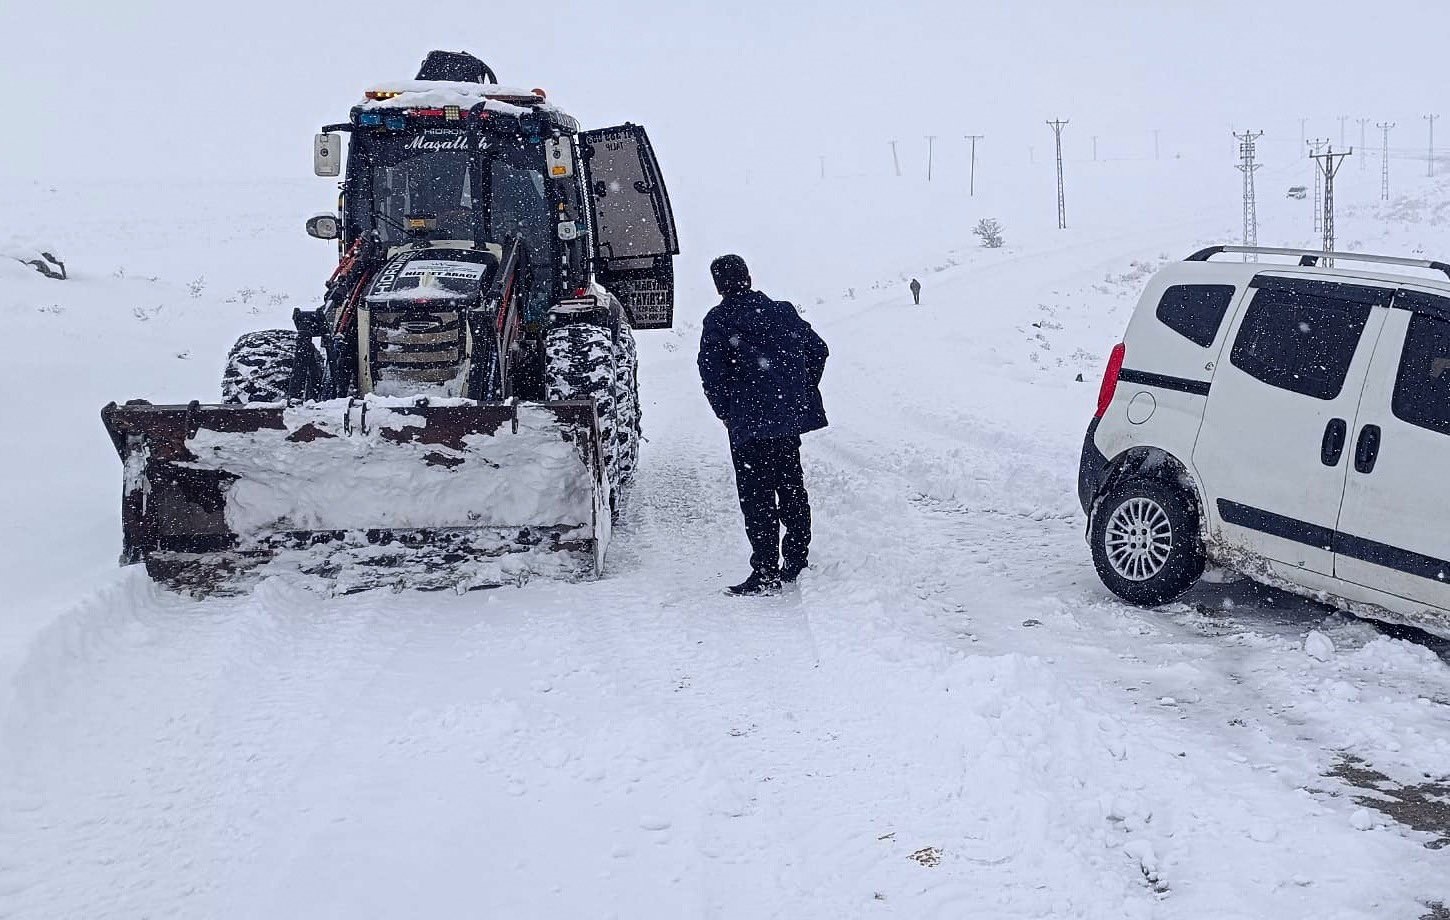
x,y
1318,646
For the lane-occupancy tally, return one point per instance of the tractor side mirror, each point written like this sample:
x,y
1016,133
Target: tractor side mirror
x,y
559,154
327,155
323,226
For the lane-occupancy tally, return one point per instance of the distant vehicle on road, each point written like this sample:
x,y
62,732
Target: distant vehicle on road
x,y
1290,422
1298,191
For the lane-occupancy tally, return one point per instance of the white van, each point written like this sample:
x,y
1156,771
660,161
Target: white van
x,y
1288,421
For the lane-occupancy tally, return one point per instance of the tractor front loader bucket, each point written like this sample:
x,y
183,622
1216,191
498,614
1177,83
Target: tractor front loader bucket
x,y
361,493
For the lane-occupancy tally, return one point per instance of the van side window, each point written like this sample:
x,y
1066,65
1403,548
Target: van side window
x,y
1299,342
1422,389
1195,311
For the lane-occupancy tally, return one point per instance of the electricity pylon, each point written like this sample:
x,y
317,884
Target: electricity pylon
x,y
1328,163
1057,125
972,180
1251,210
1385,126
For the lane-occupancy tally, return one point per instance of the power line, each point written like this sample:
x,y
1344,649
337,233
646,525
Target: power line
x,y
1385,160
972,182
1248,167
1328,163
1057,125
1316,146
930,142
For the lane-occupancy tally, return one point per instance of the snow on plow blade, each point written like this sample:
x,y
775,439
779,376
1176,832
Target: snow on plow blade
x,y
361,493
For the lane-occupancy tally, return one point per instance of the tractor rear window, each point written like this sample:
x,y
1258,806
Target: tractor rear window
x,y
1299,342
1195,311
1422,389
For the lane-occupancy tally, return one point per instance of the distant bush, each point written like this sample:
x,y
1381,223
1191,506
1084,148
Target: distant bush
x,y
989,231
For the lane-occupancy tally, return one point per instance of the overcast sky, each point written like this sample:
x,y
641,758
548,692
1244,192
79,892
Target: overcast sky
x,y
166,87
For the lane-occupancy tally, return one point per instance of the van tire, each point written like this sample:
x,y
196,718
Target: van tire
x,y
1145,541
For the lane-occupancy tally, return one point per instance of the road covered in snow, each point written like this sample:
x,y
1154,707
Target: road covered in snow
x,y
949,718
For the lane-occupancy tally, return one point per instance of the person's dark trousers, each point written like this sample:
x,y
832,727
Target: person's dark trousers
x,y
772,491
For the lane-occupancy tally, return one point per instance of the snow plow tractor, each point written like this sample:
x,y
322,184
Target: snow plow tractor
x,y
462,409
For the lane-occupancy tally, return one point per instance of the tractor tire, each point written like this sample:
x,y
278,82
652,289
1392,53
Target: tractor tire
x,y
259,367
579,363
626,388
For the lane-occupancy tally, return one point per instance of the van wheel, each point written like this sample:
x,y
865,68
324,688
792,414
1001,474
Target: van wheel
x,y
1145,542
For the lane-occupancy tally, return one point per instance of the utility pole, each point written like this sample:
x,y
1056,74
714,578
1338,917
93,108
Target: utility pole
x,y
1155,143
1385,160
1031,154
1095,148
930,141
823,167
1328,163
1430,160
1342,120
1057,124
972,182
1363,144
1251,210
895,161
1315,147
1303,138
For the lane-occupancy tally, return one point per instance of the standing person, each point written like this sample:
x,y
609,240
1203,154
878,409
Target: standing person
x,y
916,291
761,366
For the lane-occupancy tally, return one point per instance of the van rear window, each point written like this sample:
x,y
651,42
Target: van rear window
x,y
1195,311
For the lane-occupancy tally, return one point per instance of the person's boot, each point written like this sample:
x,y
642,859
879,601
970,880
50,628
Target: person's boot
x,y
757,584
792,571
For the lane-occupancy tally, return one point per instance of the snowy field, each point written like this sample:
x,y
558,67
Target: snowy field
x,y
950,718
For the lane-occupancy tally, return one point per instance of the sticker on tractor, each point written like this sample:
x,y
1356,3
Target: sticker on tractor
x,y
442,140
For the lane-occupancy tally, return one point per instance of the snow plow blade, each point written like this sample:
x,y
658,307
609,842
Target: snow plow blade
x,y
361,493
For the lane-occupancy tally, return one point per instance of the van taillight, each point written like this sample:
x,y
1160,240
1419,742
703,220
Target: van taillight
x,y
1110,379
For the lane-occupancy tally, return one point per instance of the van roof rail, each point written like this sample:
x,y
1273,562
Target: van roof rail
x,y
1310,258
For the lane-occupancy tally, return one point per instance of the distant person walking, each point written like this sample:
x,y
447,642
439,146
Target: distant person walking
x,y
916,291
761,366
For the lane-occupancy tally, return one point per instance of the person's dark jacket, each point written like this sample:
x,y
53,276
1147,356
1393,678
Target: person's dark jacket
x,y
761,365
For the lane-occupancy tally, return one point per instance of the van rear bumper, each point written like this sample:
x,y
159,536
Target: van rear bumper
x,y
1092,469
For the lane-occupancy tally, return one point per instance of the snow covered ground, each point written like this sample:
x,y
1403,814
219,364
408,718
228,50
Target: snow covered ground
x,y
950,718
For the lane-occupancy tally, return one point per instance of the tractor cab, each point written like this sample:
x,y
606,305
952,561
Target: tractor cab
x,y
474,164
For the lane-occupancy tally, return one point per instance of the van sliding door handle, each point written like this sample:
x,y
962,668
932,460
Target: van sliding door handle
x,y
1332,447
1367,449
